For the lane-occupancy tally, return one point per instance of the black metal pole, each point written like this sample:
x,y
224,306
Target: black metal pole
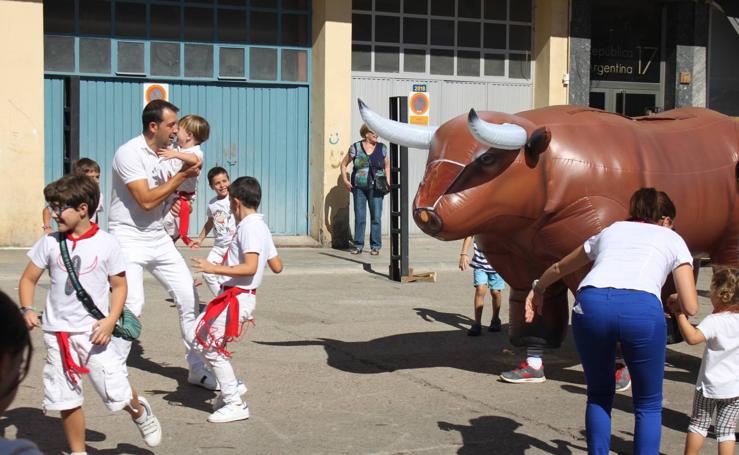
x,y
398,196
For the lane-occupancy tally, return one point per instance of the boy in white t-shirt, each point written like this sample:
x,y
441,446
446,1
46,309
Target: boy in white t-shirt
x,y
193,131
76,342
83,166
717,387
221,220
250,251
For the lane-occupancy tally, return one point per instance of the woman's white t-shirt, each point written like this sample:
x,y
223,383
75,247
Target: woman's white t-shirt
x,y
633,255
719,373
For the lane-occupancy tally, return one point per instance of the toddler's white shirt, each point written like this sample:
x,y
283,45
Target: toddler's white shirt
x,y
719,373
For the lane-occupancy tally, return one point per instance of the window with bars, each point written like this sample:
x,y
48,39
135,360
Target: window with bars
x,y
266,40
485,39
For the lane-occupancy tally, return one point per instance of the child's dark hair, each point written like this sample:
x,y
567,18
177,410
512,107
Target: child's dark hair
x,y
154,112
73,190
725,285
246,190
14,339
213,172
651,205
84,166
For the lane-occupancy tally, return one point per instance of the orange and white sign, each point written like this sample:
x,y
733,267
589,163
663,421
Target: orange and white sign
x,y
418,108
155,91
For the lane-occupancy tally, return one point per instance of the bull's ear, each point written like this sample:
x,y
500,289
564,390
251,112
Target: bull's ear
x,y
536,145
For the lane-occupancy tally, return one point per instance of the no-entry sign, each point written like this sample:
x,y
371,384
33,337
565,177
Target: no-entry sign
x,y
419,103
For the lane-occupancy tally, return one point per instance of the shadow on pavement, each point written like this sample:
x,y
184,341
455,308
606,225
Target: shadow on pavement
x,y
48,434
366,266
186,394
495,434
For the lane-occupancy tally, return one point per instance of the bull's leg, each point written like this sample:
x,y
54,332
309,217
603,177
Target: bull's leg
x,y
546,331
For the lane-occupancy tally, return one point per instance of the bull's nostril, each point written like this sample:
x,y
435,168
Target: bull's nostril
x,y
428,221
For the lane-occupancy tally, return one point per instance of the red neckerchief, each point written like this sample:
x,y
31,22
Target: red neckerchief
x,y
70,366
90,232
226,301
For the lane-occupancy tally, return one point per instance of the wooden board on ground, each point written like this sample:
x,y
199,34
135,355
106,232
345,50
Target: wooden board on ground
x,y
424,276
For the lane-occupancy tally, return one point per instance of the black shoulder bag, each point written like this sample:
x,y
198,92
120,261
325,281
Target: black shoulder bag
x,y
379,182
128,326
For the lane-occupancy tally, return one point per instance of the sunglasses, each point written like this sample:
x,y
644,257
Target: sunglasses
x,y
58,210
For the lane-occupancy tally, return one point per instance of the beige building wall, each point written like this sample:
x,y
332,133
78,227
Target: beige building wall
x,y
22,124
330,119
551,51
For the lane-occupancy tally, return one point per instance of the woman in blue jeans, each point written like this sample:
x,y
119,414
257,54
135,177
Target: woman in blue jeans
x,y
369,159
618,301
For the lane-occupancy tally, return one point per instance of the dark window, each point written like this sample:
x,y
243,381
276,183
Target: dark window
x,y
130,20
59,16
58,53
94,17
131,58
198,60
231,62
294,29
414,30
264,3
263,64
494,36
442,7
494,64
300,5
264,28
294,65
387,29
231,26
391,6
198,24
233,2
387,59
442,62
361,58
519,37
597,100
469,8
636,104
416,6
414,61
165,59
468,34
361,27
521,10
519,66
497,9
468,63
442,32
95,55
165,22
364,5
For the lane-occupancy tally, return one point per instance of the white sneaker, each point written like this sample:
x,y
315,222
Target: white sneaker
x,y
218,402
204,379
150,428
230,413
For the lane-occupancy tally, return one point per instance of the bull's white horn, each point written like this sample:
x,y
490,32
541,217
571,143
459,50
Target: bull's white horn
x,y
507,136
415,136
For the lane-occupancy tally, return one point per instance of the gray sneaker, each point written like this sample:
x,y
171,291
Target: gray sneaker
x,y
524,373
150,428
623,378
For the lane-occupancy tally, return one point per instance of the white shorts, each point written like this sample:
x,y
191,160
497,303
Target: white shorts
x,y
108,376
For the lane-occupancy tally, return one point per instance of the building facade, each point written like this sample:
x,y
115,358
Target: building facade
x,y
278,81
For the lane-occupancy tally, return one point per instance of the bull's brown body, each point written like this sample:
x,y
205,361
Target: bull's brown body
x,y
525,218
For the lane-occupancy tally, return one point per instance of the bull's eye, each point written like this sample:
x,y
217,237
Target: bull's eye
x,y
487,159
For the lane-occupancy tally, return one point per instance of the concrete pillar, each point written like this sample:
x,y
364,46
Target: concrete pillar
x,y
580,48
686,43
330,117
551,40
22,125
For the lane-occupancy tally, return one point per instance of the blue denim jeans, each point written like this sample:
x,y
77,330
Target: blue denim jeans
x,y
362,198
601,318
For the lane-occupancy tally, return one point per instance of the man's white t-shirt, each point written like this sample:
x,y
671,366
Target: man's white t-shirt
x,y
224,223
99,210
133,161
719,373
252,236
633,255
95,259
172,166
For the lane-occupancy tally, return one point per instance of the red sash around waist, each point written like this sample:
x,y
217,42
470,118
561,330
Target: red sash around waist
x,y
226,301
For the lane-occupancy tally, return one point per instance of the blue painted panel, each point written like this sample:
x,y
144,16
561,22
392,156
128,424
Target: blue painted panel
x,y
53,129
260,131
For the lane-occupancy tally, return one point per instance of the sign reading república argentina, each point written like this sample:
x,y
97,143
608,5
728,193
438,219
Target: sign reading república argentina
x,y
625,41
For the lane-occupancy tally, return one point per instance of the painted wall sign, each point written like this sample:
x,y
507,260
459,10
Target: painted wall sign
x,y
419,104
155,91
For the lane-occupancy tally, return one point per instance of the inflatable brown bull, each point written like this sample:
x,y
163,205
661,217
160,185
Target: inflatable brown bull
x,y
534,185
